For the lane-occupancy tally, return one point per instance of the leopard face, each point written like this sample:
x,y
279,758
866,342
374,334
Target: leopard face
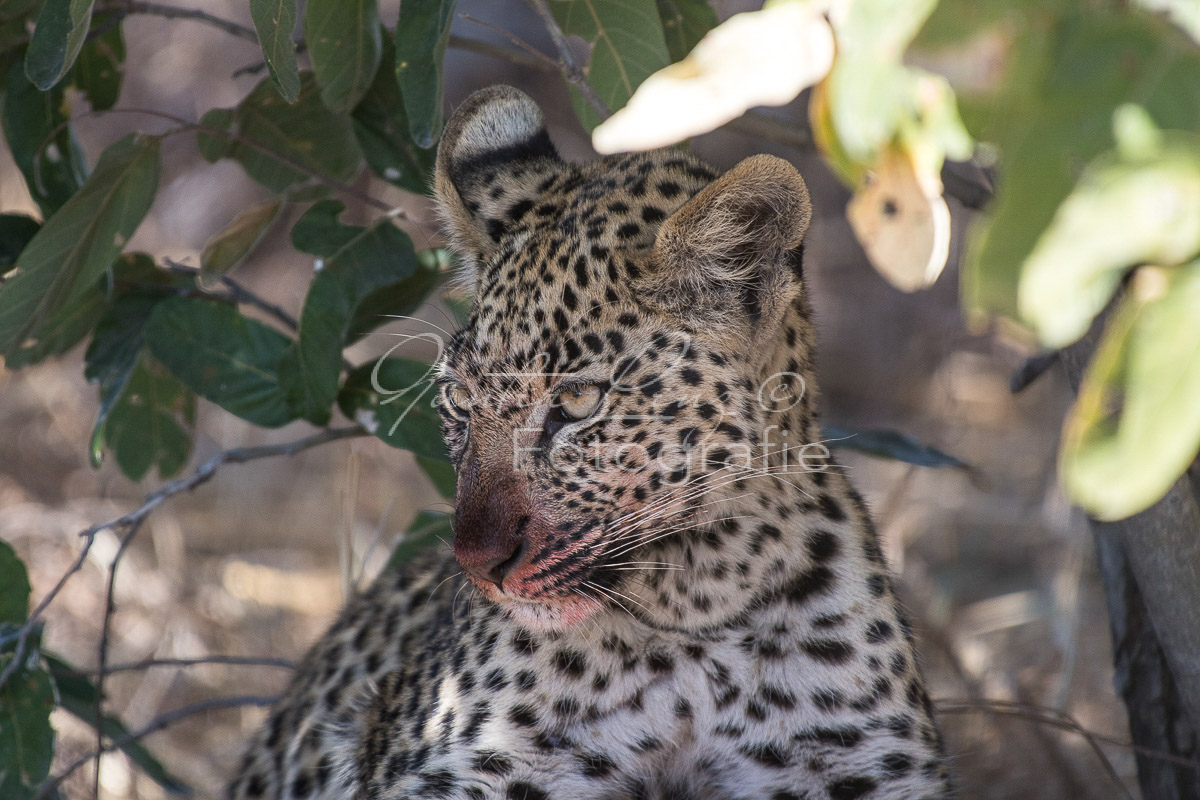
x,y
627,318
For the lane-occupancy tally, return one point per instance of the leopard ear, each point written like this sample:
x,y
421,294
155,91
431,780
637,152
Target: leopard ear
x,y
731,253
493,156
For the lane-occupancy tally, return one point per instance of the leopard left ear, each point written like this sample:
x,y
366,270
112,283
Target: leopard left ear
x,y
493,156
732,252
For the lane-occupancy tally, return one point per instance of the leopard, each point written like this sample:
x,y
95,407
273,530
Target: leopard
x,y
660,583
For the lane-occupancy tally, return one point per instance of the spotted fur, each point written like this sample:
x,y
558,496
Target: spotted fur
x,y
678,596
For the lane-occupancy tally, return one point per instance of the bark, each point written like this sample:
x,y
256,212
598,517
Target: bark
x,y
1150,565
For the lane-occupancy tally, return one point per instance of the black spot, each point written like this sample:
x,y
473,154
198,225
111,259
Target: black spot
x,y
769,755
492,762
596,765
822,545
523,715
832,651
809,583
523,790
850,788
570,662
879,631
896,764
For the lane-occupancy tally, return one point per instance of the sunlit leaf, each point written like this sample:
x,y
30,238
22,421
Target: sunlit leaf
x,y
222,356
374,274
264,133
1126,211
1135,426
758,58
14,587
274,21
1077,75
99,69
76,245
1184,13
684,24
231,245
57,39
344,43
392,398
42,144
421,36
384,134
627,44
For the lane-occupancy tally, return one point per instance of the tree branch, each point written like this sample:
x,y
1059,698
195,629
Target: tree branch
x,y
134,519
129,7
239,294
574,74
235,661
160,722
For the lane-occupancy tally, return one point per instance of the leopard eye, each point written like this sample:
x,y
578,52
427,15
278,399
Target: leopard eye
x,y
580,402
459,399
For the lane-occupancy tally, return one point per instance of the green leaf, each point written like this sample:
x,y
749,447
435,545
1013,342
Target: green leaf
x,y
263,129
98,70
26,737
150,424
15,232
230,246
344,42
441,473
14,587
626,37
684,24
66,328
1054,116
222,356
274,21
392,398
1124,212
1135,427
382,129
374,274
318,231
889,444
76,245
421,36
427,529
42,144
61,28
77,696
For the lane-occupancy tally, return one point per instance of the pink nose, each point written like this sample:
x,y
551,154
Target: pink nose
x,y
490,540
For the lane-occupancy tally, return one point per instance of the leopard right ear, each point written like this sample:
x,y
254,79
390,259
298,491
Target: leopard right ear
x,y
492,162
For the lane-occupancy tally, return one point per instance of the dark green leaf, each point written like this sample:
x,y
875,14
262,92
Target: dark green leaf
x,y
392,398
150,423
66,328
889,444
626,38
54,166
77,695
11,10
264,132
230,246
383,131
222,356
274,20
15,232
684,24
26,738
318,231
14,587
98,70
427,529
61,28
374,274
77,244
441,473
344,43
421,36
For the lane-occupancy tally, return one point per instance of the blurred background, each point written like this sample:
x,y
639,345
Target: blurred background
x,y
994,564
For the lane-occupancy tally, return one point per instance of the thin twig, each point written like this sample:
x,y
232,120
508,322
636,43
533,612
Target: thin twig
x,y
157,724
569,67
240,294
110,608
203,474
233,661
538,60
544,60
174,12
1058,719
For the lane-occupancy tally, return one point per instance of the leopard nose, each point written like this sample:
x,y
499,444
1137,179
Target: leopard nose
x,y
498,568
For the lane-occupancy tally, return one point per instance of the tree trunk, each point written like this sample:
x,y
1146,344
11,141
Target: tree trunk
x,y
1150,565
